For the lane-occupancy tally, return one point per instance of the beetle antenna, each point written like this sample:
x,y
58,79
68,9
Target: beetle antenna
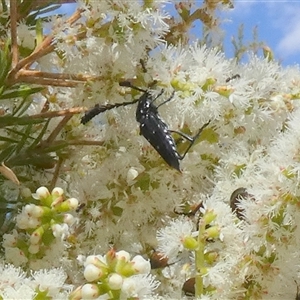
x,y
128,84
98,109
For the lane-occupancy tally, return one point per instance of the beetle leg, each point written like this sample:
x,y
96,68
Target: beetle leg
x,y
169,99
190,139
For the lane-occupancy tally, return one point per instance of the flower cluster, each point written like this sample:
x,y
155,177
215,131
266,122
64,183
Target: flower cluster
x,y
242,174
16,284
116,276
39,226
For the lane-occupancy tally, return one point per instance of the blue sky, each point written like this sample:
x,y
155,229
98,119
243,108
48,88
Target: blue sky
x,y
278,24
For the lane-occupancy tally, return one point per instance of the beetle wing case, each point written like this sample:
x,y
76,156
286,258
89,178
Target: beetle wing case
x,y
157,134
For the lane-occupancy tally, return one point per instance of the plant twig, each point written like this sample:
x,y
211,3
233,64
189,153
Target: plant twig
x,y
59,113
86,143
56,173
53,79
78,77
41,50
13,30
58,128
46,81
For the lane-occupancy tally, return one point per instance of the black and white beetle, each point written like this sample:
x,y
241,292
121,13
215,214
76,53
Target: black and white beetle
x,y
152,127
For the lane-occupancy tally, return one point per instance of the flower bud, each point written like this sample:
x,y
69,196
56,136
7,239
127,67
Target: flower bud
x,y
38,211
42,192
89,291
76,294
33,249
34,223
140,265
123,255
212,232
96,260
115,281
57,202
92,273
208,217
37,235
69,219
29,209
25,192
57,192
190,243
73,203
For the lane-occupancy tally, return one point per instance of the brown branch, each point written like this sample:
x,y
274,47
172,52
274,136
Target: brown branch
x,y
13,30
60,76
47,45
44,48
59,113
86,143
56,173
54,79
76,16
57,130
41,50
45,81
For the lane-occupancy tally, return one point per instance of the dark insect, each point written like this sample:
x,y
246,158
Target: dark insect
x,y
233,77
152,127
189,287
80,207
157,260
235,198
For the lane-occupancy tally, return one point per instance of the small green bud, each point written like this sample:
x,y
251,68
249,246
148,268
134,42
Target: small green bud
x,y
190,243
212,232
208,217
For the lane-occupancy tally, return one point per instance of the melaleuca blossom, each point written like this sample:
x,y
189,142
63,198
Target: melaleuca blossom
x,y
41,229
115,275
17,284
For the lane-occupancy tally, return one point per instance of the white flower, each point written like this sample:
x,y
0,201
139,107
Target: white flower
x,y
27,217
52,281
170,238
60,230
141,265
26,37
138,286
15,256
10,240
16,293
10,275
